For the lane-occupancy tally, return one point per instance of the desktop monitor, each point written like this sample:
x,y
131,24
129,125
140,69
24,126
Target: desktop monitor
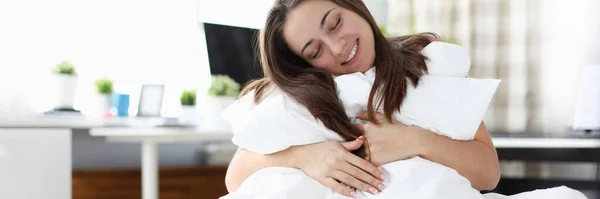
x,y
231,52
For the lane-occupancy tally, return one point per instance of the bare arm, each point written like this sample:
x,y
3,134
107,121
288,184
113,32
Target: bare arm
x,y
477,160
326,162
245,163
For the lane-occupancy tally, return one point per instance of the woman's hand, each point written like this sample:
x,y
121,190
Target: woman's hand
x,y
476,159
330,162
390,140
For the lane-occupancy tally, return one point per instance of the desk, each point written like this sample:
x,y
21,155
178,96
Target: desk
x,y
572,147
150,137
37,161
149,132
527,147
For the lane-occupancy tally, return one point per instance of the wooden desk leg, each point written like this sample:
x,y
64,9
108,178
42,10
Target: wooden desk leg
x,y
149,170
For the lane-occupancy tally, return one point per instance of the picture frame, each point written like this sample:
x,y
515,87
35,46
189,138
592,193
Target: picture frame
x,y
151,99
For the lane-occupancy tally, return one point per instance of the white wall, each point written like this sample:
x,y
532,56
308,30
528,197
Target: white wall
x,y
132,41
242,13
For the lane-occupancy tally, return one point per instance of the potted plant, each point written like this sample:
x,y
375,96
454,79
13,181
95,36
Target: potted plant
x,y
222,86
188,106
222,92
64,80
104,88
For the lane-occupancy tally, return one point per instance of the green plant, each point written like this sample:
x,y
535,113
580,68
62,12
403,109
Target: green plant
x,y
104,85
223,85
64,67
188,98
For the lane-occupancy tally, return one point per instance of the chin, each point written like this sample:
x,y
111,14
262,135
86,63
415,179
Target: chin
x,y
365,68
362,69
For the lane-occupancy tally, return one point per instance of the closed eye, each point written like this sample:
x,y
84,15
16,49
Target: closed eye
x,y
337,23
317,54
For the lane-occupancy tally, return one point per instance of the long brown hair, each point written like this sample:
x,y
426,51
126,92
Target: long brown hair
x,y
397,60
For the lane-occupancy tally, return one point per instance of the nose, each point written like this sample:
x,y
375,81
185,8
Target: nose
x,y
336,45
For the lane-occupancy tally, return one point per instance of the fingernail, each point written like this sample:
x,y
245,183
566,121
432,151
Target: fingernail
x,y
353,194
381,187
373,190
361,137
382,177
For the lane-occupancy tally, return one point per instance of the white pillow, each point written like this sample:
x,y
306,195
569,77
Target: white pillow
x,y
444,102
275,124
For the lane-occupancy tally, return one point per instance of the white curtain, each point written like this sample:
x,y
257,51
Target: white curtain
x,y
523,42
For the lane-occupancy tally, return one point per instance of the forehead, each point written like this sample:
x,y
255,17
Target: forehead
x,y
302,23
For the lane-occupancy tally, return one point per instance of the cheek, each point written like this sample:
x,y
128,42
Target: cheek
x,y
352,26
322,64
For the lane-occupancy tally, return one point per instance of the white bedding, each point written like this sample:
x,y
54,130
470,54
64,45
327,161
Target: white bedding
x,y
445,102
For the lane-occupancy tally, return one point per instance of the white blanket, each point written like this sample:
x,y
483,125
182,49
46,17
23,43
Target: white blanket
x,y
444,102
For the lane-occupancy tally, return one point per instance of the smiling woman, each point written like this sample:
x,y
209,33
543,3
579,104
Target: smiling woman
x,y
335,28
326,61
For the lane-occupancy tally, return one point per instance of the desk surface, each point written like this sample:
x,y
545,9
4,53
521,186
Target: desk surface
x,y
540,140
161,134
546,142
133,128
81,122
572,147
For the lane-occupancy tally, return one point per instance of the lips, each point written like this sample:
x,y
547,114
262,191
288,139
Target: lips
x,y
352,53
352,56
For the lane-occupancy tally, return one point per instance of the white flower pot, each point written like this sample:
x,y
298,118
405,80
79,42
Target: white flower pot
x,y
189,115
102,105
212,109
64,87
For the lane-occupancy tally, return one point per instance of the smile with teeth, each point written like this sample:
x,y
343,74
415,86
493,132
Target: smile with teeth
x,y
352,53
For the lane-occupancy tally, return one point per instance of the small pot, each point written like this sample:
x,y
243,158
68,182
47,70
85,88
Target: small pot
x,y
189,115
65,87
212,111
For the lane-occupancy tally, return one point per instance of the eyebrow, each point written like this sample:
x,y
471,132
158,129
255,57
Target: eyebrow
x,y
321,27
325,17
306,45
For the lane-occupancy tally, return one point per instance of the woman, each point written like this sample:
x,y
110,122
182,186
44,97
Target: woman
x,y
306,47
303,44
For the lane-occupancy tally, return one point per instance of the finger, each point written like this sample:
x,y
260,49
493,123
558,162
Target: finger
x,y
354,144
365,166
363,116
368,180
339,187
353,182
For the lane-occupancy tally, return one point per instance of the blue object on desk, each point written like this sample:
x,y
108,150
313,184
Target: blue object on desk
x,y
121,103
